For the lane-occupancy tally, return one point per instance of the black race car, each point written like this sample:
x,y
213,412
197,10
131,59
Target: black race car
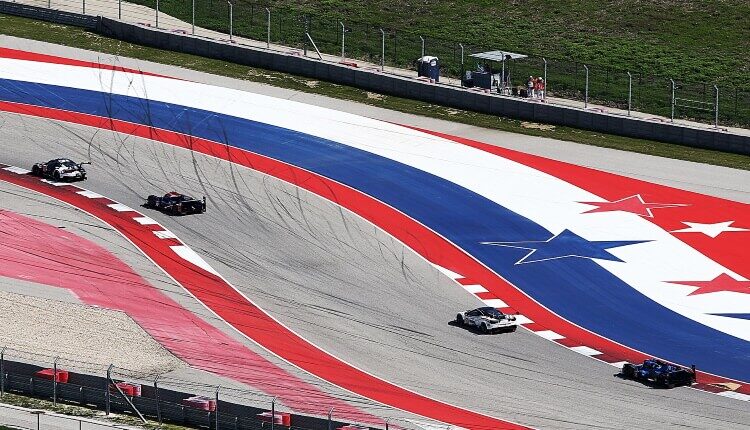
x,y
176,204
60,169
658,372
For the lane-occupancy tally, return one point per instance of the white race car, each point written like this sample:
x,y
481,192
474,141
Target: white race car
x,y
487,320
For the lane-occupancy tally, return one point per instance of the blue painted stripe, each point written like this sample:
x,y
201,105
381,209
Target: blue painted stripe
x,y
740,316
577,289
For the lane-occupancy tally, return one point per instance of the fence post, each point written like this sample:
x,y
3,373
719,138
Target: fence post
x,y
422,39
273,411
231,19
2,372
106,389
216,412
193,7
330,423
156,394
461,45
54,381
157,13
306,35
83,7
630,92
672,115
395,49
382,51
119,9
49,4
386,423
343,35
268,28
37,413
586,96
546,84
716,107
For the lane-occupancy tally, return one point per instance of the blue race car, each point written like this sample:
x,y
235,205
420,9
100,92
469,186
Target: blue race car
x,y
660,373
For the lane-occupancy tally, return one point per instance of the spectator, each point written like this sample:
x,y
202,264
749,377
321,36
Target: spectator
x,y
540,88
530,87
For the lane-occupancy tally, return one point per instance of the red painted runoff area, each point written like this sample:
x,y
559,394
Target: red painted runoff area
x,y
38,252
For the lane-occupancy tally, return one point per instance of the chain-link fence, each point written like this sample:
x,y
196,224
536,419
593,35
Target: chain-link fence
x,y
398,47
35,419
147,396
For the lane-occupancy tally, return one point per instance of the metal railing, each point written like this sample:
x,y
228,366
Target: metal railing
x,y
566,82
37,419
630,90
157,398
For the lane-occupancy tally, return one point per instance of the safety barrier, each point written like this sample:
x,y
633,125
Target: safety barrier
x,y
158,403
51,15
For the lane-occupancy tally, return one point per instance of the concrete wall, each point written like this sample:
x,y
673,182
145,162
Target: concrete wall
x,y
398,86
58,16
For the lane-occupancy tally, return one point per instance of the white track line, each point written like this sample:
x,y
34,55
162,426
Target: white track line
x,y
735,395
520,320
549,334
495,303
57,184
18,170
144,220
165,234
188,254
585,350
119,207
450,274
90,194
475,289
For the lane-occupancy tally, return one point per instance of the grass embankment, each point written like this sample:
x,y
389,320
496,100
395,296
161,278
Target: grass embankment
x,y
698,43
76,37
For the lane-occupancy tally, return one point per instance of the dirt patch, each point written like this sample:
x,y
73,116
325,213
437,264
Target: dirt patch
x,y
537,126
375,96
85,337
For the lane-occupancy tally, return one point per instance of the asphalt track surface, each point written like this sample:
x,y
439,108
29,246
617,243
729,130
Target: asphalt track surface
x,y
360,295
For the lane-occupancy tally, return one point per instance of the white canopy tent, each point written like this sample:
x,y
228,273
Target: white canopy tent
x,y
500,57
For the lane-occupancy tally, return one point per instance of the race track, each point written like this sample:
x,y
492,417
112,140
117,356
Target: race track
x,y
358,293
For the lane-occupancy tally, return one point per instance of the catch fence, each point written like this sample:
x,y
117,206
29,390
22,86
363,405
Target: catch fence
x,y
157,399
395,47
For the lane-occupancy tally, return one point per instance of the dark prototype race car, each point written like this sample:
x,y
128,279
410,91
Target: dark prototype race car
x,y
60,169
176,204
660,373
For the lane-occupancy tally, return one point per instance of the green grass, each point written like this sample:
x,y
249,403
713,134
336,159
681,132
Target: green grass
x,y
76,37
698,43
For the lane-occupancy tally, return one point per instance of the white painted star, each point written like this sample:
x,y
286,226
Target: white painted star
x,y
711,230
